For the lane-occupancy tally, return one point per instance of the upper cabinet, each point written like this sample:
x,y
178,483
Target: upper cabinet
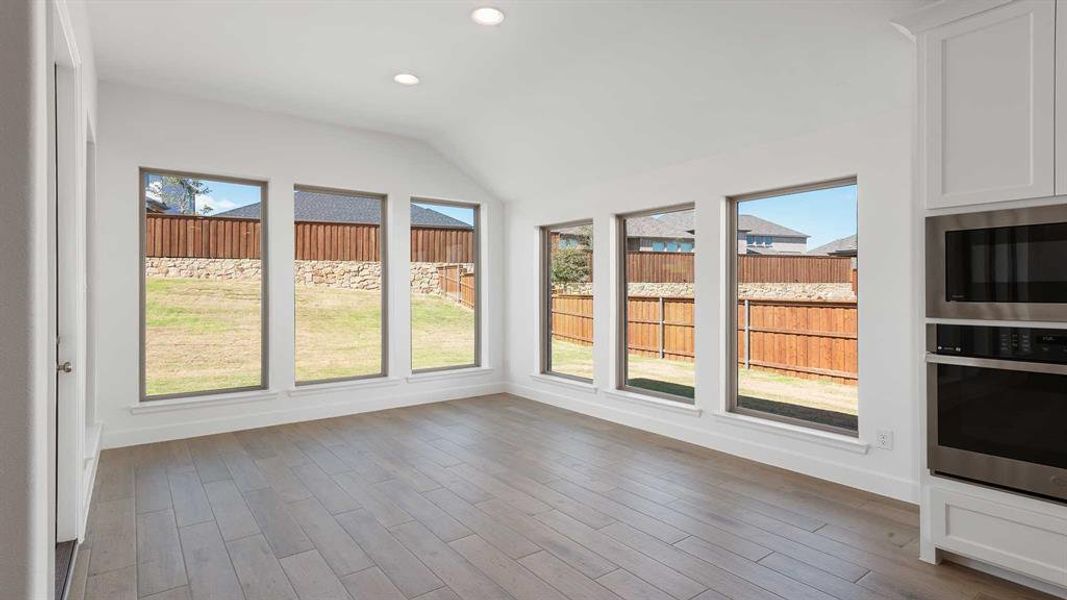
x,y
988,85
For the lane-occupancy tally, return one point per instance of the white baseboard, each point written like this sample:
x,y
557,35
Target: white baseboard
x,y
189,429
89,465
867,480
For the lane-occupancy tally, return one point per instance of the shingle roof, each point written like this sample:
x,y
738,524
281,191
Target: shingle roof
x,y
348,208
654,227
757,226
683,221
846,246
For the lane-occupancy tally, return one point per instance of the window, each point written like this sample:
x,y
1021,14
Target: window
x,y
567,300
203,284
445,285
797,338
687,246
656,331
340,284
659,246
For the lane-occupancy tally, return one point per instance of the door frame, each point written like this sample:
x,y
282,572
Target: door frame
x,y
67,279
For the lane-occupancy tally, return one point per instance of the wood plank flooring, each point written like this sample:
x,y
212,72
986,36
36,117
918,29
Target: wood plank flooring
x,y
490,498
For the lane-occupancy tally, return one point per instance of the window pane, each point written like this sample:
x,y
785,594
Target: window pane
x,y
569,285
203,284
339,242
659,305
444,285
797,308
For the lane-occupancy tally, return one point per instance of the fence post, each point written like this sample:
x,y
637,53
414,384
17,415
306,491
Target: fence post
x,y
662,332
748,335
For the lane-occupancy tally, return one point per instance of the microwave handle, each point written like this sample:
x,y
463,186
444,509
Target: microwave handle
x,y
992,363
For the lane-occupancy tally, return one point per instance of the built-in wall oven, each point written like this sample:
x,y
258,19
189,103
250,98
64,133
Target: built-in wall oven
x,y
1006,265
997,406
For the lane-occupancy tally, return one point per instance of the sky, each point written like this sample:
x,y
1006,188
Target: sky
x,y
826,215
456,212
226,196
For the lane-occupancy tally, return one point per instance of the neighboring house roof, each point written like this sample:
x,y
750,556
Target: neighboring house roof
x,y
757,226
683,220
345,208
846,246
654,227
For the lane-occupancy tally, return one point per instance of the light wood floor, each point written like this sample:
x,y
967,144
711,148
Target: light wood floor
x,y
493,497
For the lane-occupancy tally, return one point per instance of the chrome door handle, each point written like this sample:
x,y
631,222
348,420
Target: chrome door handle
x,y
64,367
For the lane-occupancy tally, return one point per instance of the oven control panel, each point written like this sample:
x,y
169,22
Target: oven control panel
x,y
1004,343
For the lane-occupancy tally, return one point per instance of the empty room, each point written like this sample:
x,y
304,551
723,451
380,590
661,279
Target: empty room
x,y
533,300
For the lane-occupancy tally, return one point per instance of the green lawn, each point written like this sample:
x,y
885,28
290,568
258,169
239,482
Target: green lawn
x,y
201,335
205,335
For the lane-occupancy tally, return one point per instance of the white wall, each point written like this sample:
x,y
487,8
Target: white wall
x,y
24,526
877,151
139,127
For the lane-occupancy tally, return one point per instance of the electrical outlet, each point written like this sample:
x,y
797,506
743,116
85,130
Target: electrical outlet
x,y
884,439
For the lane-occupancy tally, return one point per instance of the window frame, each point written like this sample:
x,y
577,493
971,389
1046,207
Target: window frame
x,y
383,255
622,306
544,289
476,241
264,269
732,369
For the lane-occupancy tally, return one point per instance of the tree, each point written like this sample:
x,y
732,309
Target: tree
x,y
179,193
571,265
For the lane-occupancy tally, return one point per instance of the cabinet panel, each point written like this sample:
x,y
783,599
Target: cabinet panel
x,y
1061,98
989,106
1024,541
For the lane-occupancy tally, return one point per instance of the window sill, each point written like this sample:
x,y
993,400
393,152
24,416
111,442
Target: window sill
x,y
313,389
573,384
815,436
449,374
641,399
223,399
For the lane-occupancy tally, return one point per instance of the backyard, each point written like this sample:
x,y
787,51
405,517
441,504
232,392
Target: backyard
x,y
205,335
833,403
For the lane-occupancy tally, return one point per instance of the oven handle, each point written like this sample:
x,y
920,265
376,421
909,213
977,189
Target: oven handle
x,y
992,363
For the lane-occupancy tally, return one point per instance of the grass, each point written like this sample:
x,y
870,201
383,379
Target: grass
x,y
201,335
204,335
442,333
677,377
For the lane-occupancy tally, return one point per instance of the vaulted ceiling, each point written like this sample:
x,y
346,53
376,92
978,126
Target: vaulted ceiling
x,y
562,94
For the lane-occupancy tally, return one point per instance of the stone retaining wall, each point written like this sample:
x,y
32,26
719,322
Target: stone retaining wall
x,y
317,273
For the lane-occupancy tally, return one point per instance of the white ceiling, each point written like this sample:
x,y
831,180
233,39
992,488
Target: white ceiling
x,y
563,94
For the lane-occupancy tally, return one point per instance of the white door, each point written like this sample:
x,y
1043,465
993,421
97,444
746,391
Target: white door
x,y
988,114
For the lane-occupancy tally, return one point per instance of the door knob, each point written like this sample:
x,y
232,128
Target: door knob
x,y
65,367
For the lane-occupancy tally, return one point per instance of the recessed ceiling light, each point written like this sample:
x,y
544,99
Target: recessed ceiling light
x,y
487,15
406,79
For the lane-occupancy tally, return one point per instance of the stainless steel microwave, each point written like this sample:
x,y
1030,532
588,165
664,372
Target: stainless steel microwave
x,y
1005,264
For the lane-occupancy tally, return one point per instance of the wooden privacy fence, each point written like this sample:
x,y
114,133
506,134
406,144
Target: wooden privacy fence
x,y
754,268
457,284
678,267
189,236
807,339
659,267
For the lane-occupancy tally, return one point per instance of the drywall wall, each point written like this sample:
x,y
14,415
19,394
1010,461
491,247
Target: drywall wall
x,y
24,528
877,151
144,128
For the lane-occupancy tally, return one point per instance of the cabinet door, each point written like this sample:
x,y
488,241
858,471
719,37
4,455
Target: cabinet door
x,y
1061,99
989,84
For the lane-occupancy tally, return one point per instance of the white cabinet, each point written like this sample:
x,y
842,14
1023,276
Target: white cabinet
x,y
987,100
1017,534
1061,98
